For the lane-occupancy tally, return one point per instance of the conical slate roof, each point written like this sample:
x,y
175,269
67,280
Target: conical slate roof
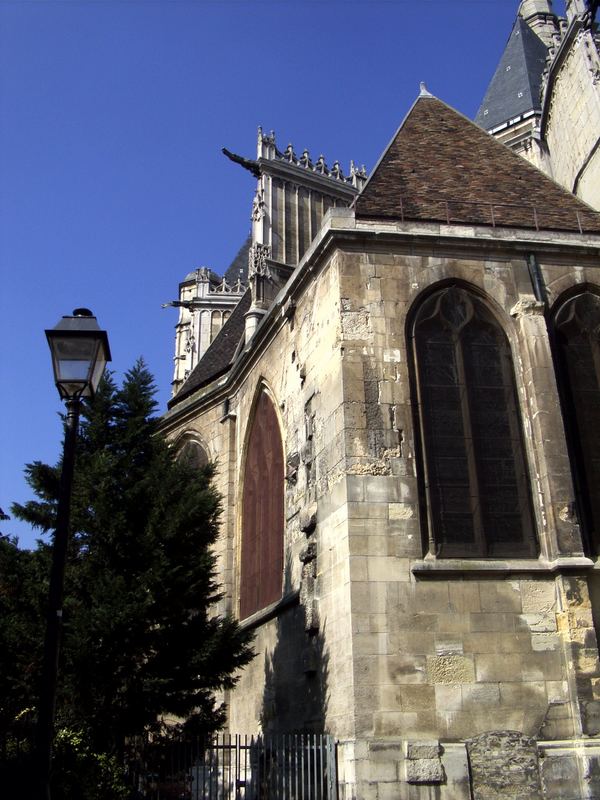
x,y
515,88
440,166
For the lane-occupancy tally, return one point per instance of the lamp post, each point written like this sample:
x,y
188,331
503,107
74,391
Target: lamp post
x,y
80,352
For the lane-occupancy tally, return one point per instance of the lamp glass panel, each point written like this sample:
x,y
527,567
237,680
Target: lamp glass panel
x,y
99,367
73,358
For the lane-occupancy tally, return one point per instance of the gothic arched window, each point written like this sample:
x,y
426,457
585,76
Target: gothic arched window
x,y
475,478
193,454
262,512
577,325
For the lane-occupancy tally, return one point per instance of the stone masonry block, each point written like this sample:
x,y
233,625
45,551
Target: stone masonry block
x,y
539,623
381,489
428,749
450,669
501,597
464,597
560,777
432,596
424,770
491,668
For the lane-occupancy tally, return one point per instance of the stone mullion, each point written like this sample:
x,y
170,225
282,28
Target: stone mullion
x,y
518,450
431,533
551,474
474,490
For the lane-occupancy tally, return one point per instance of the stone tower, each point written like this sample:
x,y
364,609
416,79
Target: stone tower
x,y
544,98
205,303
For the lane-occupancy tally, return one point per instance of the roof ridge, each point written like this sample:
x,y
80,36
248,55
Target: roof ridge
x,y
420,96
437,149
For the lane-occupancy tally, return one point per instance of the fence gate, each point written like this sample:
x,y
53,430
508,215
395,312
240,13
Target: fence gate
x,y
234,767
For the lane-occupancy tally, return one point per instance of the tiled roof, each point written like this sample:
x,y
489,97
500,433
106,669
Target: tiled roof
x,y
217,359
516,85
440,166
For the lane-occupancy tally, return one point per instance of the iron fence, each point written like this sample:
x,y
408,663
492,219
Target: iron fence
x,y
237,767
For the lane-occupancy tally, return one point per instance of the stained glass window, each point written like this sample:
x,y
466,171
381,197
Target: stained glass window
x,y
478,498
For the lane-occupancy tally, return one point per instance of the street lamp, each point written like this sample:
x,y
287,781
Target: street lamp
x,y
80,353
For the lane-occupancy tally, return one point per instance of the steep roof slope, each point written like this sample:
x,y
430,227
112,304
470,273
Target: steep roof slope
x,y
516,85
218,357
239,266
440,166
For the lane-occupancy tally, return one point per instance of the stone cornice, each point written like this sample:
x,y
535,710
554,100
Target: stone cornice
x,y
299,176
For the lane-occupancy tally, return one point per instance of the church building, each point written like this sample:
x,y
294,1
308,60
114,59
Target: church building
x,y
402,396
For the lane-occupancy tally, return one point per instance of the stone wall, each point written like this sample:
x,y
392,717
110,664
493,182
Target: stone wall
x,y
573,119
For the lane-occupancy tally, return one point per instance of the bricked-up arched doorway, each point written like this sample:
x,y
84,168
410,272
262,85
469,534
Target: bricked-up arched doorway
x,y
262,512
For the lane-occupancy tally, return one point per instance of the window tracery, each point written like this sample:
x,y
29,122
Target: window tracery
x,y
476,486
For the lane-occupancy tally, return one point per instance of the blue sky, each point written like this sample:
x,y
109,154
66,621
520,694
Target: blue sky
x,y
112,119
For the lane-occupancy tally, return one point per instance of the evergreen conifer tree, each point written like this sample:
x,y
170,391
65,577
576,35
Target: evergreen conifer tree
x,y
141,639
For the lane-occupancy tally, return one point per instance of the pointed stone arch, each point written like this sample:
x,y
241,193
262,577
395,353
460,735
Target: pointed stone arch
x,y
262,507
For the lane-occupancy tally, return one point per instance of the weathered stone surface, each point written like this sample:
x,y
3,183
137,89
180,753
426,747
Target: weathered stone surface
x,y
504,764
450,669
308,518
591,718
415,750
558,721
560,777
424,770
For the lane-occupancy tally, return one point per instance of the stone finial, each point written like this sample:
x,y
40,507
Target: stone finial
x,y
305,160
336,171
289,154
423,90
321,166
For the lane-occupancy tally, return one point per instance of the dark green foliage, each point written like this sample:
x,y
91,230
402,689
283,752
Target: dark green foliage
x,y
140,641
23,582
